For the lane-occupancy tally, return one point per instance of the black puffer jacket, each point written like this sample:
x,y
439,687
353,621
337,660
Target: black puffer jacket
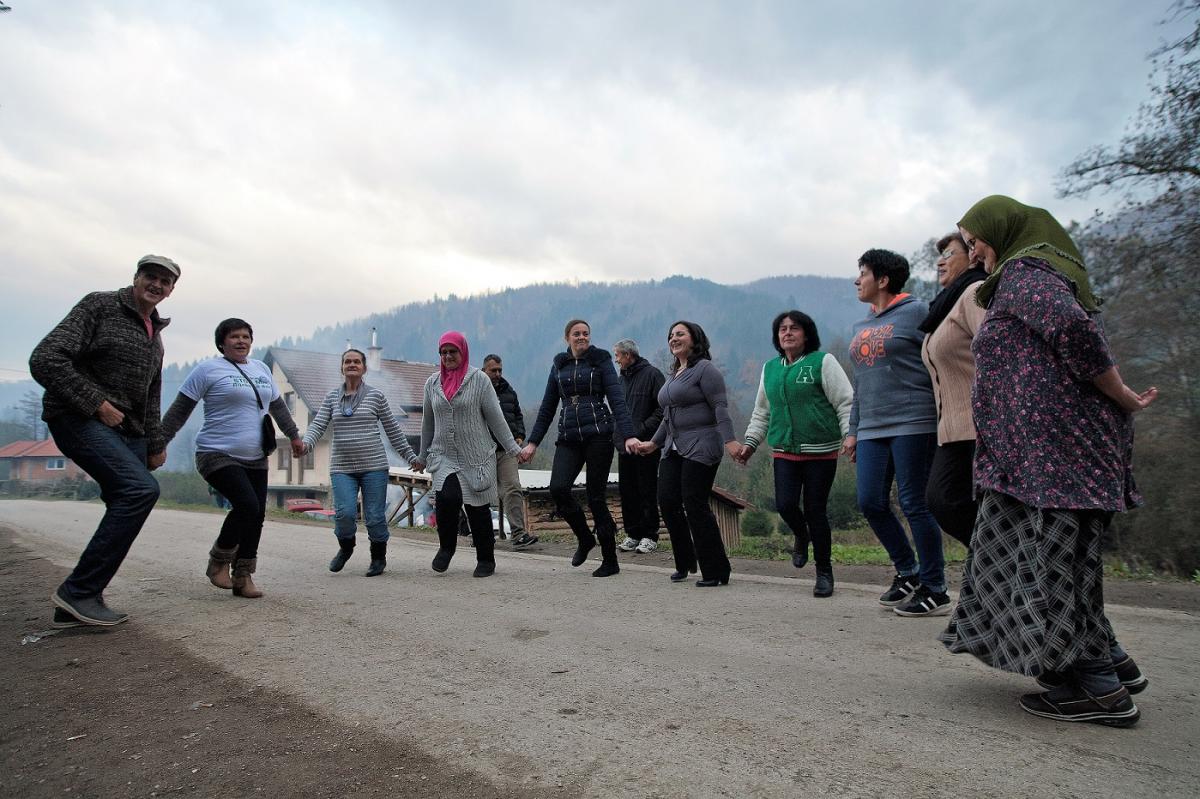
x,y
512,411
582,385
641,381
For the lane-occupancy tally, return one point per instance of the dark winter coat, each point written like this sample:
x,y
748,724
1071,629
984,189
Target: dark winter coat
x,y
582,385
641,381
512,410
99,352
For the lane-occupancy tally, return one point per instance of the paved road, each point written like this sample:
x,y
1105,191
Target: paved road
x,y
633,686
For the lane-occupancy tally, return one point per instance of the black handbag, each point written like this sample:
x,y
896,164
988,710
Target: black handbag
x,y
269,444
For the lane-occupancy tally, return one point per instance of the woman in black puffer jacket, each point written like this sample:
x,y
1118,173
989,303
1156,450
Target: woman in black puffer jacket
x,y
583,377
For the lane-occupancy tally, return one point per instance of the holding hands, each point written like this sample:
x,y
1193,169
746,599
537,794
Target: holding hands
x,y
417,465
297,448
641,447
743,453
526,454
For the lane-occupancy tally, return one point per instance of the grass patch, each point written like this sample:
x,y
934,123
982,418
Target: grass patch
x,y
854,547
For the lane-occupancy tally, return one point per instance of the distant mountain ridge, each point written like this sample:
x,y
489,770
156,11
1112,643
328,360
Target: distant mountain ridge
x,y
525,325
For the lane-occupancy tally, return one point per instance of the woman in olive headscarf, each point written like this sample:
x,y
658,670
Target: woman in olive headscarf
x,y
1052,464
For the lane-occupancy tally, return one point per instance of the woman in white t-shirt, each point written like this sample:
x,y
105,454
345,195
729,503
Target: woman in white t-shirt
x,y
237,392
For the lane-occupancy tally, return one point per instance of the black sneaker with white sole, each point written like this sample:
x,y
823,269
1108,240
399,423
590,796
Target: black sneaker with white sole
x,y
902,588
524,540
1072,703
924,602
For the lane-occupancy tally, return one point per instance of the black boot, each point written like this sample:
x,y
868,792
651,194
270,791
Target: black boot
x,y
824,585
344,552
378,558
583,535
608,549
800,552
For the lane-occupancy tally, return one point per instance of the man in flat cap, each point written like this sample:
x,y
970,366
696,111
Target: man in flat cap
x,y
101,367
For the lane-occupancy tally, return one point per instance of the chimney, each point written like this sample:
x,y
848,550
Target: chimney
x,y
374,353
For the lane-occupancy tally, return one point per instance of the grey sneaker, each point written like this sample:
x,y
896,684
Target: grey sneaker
x,y
647,545
1072,703
628,545
91,610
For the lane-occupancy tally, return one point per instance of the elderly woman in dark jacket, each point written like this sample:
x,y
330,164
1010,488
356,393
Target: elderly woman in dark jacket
x,y
695,428
583,377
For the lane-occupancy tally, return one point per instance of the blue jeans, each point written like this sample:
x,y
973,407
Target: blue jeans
x,y
118,464
907,459
346,486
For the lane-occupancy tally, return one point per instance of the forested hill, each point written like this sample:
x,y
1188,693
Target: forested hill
x,y
525,325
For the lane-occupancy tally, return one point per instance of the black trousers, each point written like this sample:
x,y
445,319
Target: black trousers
x,y
447,504
950,492
569,458
684,487
806,484
639,495
246,490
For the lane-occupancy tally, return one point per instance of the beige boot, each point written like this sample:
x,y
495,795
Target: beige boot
x,y
219,561
243,584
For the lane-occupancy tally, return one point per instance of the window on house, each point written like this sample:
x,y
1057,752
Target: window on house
x,y
310,460
285,455
55,464
290,399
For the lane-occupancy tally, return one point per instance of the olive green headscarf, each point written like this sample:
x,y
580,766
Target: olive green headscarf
x,y
1015,230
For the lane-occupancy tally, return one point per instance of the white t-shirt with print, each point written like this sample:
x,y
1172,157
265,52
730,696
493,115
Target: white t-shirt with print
x,y
232,420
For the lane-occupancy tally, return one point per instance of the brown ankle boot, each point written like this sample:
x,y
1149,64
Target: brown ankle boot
x,y
219,561
243,584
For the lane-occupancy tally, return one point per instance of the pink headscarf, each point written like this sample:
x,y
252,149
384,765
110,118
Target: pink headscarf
x,y
452,379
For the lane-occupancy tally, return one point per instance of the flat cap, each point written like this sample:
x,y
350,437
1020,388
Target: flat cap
x,y
159,260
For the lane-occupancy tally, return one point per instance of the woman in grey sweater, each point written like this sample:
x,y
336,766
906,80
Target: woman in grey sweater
x,y
462,424
357,460
694,434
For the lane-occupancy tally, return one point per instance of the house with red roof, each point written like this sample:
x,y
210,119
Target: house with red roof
x,y
37,462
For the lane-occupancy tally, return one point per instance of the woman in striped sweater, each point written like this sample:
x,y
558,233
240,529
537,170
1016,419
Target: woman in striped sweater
x,y
461,426
357,460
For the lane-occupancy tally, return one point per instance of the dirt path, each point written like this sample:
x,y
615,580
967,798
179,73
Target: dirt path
x,y
540,681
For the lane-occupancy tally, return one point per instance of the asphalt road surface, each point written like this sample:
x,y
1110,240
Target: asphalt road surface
x,y
545,677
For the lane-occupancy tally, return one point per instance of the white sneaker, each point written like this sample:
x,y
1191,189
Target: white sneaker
x,y
628,545
647,545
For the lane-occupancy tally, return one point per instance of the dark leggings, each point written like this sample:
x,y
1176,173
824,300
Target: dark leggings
x,y
808,482
246,490
569,458
684,486
447,505
950,493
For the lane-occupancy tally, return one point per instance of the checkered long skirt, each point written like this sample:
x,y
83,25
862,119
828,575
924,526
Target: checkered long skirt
x,y
1032,596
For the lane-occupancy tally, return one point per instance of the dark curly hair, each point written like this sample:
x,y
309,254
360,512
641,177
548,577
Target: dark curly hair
x,y
812,341
699,342
226,327
885,263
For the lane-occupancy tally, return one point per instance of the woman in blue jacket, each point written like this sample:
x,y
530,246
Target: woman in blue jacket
x,y
583,378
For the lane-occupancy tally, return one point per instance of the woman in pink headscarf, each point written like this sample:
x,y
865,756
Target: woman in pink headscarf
x,y
461,425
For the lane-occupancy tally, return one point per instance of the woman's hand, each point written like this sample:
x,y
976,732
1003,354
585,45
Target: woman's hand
x,y
631,445
734,449
109,414
645,448
297,448
1113,387
156,460
417,465
744,453
526,453
850,448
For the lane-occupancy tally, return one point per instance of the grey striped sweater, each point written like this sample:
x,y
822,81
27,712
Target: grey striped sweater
x,y
357,446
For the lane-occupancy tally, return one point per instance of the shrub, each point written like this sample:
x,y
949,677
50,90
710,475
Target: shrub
x,y
757,523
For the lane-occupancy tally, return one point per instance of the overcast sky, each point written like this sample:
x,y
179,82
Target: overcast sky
x,y
307,163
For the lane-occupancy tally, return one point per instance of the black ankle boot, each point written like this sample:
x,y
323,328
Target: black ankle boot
x,y
824,585
346,550
378,558
583,535
800,551
608,548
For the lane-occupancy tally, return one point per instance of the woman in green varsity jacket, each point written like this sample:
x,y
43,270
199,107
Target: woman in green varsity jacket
x,y
802,412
